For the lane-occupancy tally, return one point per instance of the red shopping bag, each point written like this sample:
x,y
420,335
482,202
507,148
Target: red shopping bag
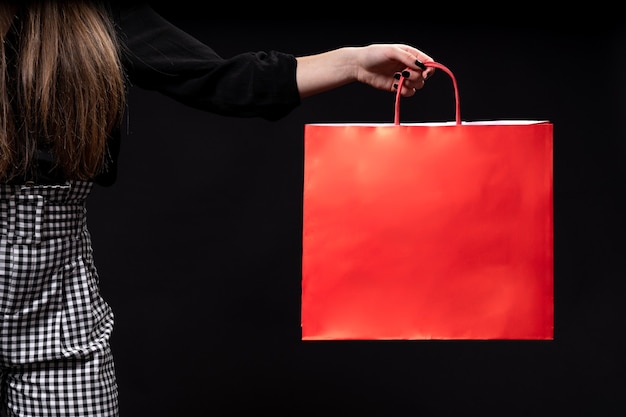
x,y
428,230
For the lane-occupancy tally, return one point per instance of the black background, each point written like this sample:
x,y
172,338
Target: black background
x,y
199,242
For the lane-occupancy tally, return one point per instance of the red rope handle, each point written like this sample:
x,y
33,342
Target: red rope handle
x,y
456,93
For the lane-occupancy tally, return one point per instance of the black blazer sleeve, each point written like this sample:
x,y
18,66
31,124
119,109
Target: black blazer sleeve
x,y
159,56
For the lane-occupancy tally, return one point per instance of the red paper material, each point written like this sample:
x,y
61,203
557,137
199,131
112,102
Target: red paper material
x,y
428,231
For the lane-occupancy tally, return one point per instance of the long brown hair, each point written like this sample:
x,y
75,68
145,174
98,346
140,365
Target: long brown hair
x,y
62,86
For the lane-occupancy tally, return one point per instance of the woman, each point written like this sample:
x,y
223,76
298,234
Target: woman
x,y
64,72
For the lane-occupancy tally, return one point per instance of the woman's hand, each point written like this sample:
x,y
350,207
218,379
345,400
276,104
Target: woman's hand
x,y
381,66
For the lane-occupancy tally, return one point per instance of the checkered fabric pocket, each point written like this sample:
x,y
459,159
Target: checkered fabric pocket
x,y
55,327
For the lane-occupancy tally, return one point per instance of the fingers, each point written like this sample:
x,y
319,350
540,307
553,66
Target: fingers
x,y
396,66
414,59
414,76
427,72
411,81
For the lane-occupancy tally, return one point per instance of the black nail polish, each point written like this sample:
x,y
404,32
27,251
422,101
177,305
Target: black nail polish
x,y
420,64
406,74
396,75
395,86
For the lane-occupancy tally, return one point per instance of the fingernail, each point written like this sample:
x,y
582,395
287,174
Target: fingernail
x,y
406,74
396,75
420,64
395,86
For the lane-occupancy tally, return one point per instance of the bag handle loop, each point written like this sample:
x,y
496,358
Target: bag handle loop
x,y
456,92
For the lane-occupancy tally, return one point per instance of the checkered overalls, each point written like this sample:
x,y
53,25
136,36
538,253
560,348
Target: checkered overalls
x,y
55,357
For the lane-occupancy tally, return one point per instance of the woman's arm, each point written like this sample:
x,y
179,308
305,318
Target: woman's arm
x,y
162,57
